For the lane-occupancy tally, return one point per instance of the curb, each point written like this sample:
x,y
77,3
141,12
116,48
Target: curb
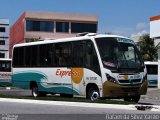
x,y
76,104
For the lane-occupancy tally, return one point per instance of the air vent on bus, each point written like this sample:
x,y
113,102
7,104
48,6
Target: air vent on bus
x,y
86,34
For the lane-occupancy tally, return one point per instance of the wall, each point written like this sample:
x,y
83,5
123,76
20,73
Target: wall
x,y
4,36
155,28
17,33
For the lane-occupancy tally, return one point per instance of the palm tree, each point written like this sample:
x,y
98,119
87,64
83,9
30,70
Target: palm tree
x,y
147,48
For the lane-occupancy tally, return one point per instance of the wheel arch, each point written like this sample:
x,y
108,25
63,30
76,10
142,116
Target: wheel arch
x,y
91,85
33,84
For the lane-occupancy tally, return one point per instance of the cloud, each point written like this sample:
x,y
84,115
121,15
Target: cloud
x,y
140,33
141,26
118,30
128,31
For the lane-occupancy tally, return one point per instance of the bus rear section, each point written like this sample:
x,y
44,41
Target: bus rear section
x,y
5,72
152,73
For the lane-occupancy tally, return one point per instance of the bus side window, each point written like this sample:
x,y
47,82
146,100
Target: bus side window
x,y
78,55
91,58
63,54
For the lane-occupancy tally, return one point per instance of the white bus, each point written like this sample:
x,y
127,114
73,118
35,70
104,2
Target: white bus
x,y
92,65
152,73
5,72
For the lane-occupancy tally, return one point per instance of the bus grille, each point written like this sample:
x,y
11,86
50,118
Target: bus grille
x,y
133,81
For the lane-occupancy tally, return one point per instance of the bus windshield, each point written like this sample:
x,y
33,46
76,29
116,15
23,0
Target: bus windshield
x,y
119,53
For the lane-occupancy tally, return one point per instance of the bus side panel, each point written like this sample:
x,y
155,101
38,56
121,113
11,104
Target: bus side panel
x,y
152,80
55,80
22,78
5,79
93,78
58,80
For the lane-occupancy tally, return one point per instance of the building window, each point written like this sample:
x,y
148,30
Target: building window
x,y
2,55
46,26
2,42
62,27
2,29
83,27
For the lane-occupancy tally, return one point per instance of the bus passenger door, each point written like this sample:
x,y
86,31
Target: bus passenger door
x,y
92,74
77,69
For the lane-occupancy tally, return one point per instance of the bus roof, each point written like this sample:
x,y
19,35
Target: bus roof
x,y
88,36
150,63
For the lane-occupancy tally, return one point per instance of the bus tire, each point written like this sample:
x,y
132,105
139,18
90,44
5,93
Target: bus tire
x,y
93,94
35,92
136,98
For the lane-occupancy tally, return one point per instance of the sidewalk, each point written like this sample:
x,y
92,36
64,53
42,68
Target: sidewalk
x,y
152,94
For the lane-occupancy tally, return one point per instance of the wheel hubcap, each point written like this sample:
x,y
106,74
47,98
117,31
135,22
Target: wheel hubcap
x,y
94,96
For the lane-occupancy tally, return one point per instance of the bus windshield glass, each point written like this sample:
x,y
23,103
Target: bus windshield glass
x,y
119,53
5,66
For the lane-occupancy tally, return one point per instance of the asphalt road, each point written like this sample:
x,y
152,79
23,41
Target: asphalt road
x,y
32,111
150,98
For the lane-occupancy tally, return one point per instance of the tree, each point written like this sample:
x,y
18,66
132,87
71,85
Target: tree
x,y
147,48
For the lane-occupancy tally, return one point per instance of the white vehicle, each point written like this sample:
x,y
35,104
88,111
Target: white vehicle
x,y
152,73
5,72
91,65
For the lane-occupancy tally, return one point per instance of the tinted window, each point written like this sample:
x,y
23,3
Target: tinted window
x,y
15,57
78,54
34,56
28,56
83,27
152,69
46,55
91,60
2,42
2,55
62,27
39,26
18,57
21,58
2,29
5,66
63,54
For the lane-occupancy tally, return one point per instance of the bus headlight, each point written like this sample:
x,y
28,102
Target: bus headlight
x,y
111,79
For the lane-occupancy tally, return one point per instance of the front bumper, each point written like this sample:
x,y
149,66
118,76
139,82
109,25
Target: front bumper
x,y
115,90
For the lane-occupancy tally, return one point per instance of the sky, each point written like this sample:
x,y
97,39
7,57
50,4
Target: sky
x,y
122,17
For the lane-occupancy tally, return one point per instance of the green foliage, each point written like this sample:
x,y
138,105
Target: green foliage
x,y
32,39
147,48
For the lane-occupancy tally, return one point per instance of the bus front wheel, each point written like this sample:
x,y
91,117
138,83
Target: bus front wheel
x,y
93,94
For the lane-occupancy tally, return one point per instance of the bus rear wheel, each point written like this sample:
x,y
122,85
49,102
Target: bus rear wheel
x,y
132,98
35,92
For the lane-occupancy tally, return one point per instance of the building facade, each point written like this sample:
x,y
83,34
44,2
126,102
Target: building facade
x,y
34,26
155,34
4,38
